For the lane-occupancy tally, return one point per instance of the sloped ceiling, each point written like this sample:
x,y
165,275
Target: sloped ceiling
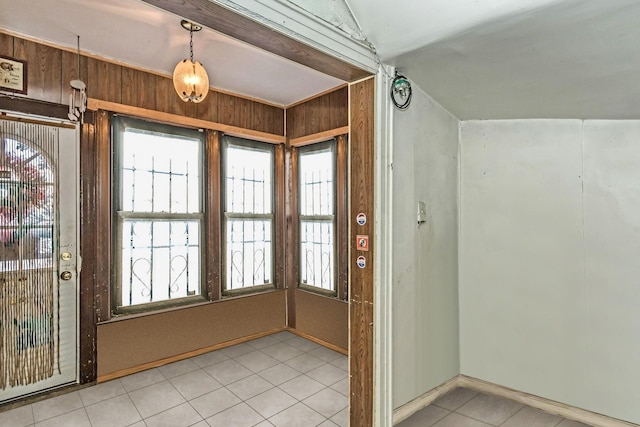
x,y
507,59
133,32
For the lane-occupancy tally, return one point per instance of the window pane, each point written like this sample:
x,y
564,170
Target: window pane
x,y
317,182
160,260
27,206
249,257
316,254
160,173
248,180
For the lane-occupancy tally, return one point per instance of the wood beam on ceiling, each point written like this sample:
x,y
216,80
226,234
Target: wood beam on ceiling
x,y
228,22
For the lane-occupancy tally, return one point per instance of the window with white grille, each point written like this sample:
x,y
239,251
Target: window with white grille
x,y
158,213
317,195
248,214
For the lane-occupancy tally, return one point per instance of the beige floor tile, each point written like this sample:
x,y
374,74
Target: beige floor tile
x,y
240,415
298,415
490,409
117,411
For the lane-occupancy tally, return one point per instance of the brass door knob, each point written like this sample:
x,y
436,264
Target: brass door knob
x,y
66,275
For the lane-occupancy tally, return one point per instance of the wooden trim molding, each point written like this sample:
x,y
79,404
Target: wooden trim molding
x,y
546,405
214,217
96,104
229,22
102,213
280,230
361,293
319,341
318,137
292,247
342,217
88,227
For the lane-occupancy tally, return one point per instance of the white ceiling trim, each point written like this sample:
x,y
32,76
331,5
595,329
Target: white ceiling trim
x,y
295,22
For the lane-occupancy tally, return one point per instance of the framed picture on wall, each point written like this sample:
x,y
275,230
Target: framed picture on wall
x,y
13,75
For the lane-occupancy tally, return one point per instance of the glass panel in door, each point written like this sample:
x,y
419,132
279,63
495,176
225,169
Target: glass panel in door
x,y
38,242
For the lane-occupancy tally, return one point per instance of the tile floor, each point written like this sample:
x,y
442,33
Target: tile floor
x,y
466,408
279,380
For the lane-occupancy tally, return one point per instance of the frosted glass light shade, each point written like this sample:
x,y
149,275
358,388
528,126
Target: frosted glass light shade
x,y
191,81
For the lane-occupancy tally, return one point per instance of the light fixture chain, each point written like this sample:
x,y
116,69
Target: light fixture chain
x,y
191,42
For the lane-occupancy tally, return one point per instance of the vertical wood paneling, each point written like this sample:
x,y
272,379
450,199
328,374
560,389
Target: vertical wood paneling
x,y
291,209
104,80
103,215
313,116
339,108
6,45
138,88
214,219
342,217
44,69
226,109
361,144
88,233
280,202
234,111
326,112
208,109
168,101
70,72
274,119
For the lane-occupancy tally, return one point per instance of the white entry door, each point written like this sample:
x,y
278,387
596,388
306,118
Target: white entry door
x,y
38,256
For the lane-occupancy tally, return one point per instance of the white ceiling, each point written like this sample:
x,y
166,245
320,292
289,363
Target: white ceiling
x,y
500,59
481,59
136,33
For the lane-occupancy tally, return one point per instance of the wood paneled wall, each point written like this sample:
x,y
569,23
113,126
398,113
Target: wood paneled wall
x,y
327,112
51,69
128,344
361,144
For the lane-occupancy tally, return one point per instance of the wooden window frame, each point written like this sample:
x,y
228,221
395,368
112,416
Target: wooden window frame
x,y
225,216
119,124
211,246
341,237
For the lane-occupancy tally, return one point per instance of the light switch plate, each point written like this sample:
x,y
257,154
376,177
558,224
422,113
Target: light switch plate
x,y
422,212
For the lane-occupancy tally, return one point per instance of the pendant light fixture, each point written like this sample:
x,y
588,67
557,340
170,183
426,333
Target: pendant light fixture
x,y
190,78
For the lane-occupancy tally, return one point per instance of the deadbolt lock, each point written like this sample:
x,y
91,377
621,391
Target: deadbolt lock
x,y
66,275
65,256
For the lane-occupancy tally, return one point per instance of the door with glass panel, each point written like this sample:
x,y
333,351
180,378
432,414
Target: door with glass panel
x,y
38,257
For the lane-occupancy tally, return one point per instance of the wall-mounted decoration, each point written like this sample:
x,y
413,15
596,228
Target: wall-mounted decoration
x,y
401,91
13,75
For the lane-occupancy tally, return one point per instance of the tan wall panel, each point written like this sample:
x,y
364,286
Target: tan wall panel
x,y
323,317
129,343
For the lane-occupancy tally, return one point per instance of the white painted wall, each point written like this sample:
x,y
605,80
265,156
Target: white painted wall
x,y
425,259
549,260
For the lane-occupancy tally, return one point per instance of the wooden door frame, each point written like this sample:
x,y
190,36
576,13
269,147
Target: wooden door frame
x,y
362,190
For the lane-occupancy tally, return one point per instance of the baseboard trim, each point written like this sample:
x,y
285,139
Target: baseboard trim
x,y
166,361
405,411
546,405
566,411
319,341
